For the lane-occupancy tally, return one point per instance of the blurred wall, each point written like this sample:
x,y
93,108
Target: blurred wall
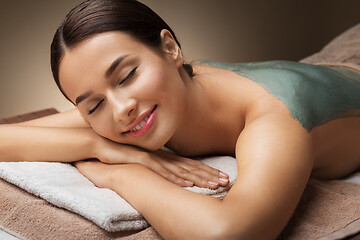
x,y
26,30
227,30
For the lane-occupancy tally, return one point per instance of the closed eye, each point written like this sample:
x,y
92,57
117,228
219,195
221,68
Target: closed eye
x,y
128,76
93,109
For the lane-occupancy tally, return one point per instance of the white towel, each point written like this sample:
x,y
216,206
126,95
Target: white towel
x,y
354,178
62,185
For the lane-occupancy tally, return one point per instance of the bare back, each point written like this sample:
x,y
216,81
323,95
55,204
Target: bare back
x,y
336,143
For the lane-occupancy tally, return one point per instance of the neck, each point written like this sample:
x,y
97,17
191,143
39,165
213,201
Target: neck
x,y
206,127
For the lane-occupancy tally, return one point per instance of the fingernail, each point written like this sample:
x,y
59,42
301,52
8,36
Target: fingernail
x,y
213,183
224,180
223,174
189,182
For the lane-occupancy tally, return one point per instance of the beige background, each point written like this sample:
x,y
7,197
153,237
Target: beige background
x,y
224,30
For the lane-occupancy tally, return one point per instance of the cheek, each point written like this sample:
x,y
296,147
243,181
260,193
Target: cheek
x,y
168,88
102,126
164,82
155,82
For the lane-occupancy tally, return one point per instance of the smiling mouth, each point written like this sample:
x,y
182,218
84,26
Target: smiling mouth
x,y
141,128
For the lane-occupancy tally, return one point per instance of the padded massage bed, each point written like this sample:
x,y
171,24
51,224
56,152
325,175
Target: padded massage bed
x,y
25,216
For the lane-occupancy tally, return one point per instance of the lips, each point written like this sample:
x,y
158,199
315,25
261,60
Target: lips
x,y
143,123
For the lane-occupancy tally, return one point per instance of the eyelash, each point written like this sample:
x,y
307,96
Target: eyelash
x,y
97,105
129,75
126,78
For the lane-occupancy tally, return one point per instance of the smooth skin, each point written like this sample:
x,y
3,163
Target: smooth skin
x,y
66,137
215,112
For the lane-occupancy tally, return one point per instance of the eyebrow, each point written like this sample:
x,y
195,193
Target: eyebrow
x,y
114,65
108,72
82,97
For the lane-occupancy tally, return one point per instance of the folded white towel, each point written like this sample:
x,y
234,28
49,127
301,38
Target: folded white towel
x,y
353,178
62,185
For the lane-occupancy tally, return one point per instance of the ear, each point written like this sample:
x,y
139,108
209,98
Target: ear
x,y
170,47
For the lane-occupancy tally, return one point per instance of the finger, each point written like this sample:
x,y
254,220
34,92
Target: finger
x,y
168,175
171,177
205,167
130,154
191,176
187,169
204,172
192,162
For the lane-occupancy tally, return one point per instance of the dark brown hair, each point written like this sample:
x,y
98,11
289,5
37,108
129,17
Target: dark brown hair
x,y
98,16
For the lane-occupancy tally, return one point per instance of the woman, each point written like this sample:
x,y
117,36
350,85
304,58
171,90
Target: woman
x,y
123,69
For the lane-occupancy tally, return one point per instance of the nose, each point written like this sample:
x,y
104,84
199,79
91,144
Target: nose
x,y
124,110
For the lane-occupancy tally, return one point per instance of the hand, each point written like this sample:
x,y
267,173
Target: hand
x,y
182,171
192,170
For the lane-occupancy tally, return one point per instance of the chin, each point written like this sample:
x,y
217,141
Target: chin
x,y
154,145
152,148
157,142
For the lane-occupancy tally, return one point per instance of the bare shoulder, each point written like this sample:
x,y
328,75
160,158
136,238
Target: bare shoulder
x,y
275,160
276,134
70,118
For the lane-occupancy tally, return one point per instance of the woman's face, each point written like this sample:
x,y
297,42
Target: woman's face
x,y
126,91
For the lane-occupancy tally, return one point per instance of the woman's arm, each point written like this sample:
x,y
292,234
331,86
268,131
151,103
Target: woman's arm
x,y
25,143
62,137
66,137
274,164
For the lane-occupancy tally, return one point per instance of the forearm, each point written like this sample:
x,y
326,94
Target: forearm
x,y
174,212
27,143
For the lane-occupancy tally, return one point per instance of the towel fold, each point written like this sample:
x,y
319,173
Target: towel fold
x,y
62,185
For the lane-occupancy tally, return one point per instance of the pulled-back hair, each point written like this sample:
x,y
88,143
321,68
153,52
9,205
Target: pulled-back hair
x,y
98,16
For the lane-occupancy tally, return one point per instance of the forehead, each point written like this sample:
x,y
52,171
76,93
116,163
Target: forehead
x,y
90,58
